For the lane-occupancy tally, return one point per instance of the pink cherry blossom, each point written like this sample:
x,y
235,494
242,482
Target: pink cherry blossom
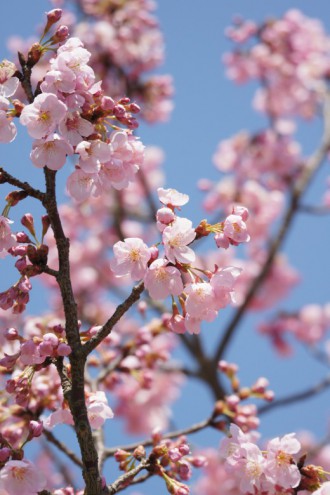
x,y
7,127
193,323
97,409
61,416
172,197
51,152
162,280
74,128
7,238
43,115
223,282
92,153
131,258
22,478
176,238
280,470
324,489
81,185
8,83
200,300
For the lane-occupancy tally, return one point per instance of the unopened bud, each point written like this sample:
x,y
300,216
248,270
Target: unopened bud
x,y
34,54
18,106
45,224
139,453
134,108
5,453
53,16
62,33
35,429
28,222
14,197
107,103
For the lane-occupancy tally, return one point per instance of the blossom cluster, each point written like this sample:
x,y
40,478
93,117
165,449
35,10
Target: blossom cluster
x,y
308,325
260,471
126,44
72,115
172,460
175,274
291,55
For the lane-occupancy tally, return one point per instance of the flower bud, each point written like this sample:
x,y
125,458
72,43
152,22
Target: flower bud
x,y
5,453
53,16
28,222
35,429
61,34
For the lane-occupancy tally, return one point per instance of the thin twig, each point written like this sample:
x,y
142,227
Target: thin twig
x,y
108,326
62,447
25,186
294,398
173,434
125,478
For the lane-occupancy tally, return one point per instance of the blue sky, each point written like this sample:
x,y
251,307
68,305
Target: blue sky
x,y
209,108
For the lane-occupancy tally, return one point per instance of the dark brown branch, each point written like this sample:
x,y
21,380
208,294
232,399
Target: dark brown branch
x,y
5,177
125,478
312,165
173,434
138,480
62,447
25,77
108,326
294,398
75,396
62,465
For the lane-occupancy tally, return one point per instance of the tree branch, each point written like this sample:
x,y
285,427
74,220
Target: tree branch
x,y
75,396
62,447
125,478
293,398
174,434
312,165
108,326
25,186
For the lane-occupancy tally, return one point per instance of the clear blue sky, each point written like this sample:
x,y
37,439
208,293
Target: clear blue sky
x,y
194,35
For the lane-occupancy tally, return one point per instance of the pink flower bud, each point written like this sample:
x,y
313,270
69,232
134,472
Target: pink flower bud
x,y
165,215
11,334
21,264
64,349
107,103
119,110
153,250
28,222
35,429
134,108
22,237
5,453
51,339
62,33
54,16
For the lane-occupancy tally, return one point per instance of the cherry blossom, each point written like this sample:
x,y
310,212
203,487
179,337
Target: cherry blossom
x,y
162,280
51,152
131,258
43,115
21,478
172,197
8,129
176,238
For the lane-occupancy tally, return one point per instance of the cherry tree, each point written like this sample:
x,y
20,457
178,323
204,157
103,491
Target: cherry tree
x,y
131,282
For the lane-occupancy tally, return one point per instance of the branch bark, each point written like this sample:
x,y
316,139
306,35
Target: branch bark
x,y
75,396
